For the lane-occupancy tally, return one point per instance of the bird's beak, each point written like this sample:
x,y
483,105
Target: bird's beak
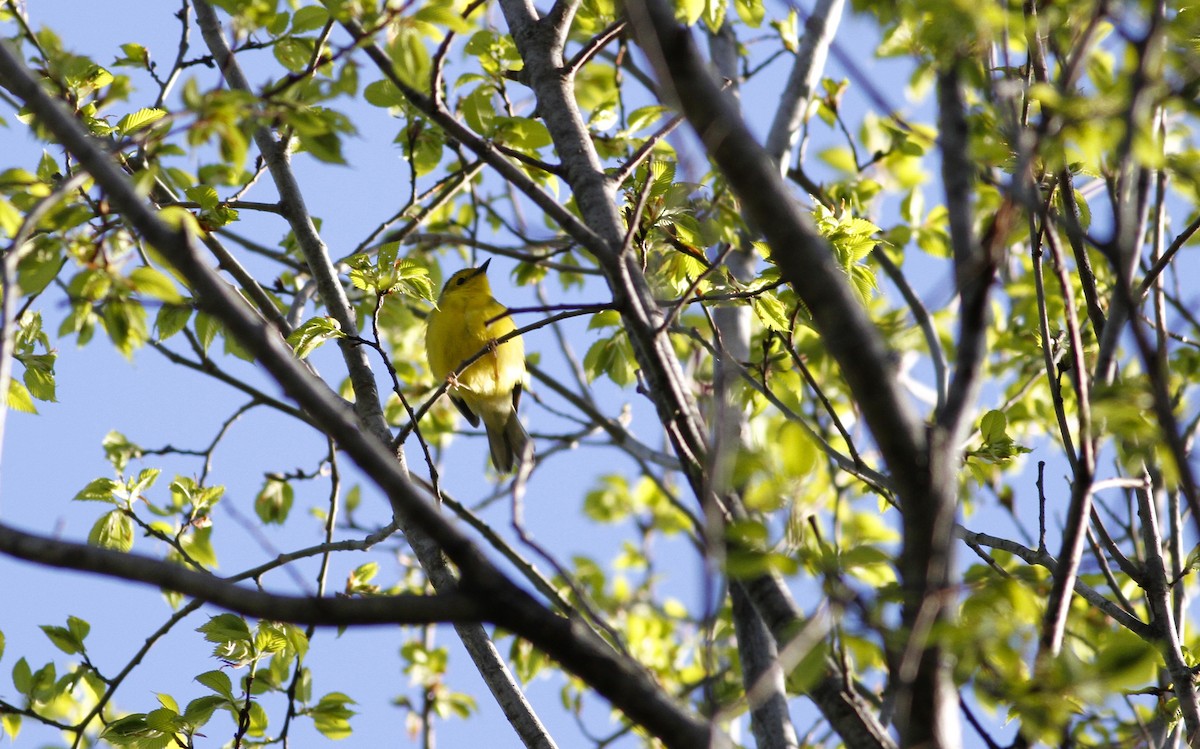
x,y
483,268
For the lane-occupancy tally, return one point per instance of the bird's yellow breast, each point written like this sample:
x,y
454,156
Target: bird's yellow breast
x,y
458,329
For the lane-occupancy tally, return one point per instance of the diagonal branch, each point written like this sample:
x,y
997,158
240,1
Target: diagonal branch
x,y
819,31
316,254
804,258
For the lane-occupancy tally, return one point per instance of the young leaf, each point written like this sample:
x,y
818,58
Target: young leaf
x,y
314,332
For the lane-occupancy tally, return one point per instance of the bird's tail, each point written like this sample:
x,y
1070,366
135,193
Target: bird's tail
x,y
509,443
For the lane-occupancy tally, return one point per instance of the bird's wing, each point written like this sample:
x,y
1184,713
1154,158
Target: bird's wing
x,y
465,410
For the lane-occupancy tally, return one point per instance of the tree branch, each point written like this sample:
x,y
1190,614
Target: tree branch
x,y
316,254
395,609
819,30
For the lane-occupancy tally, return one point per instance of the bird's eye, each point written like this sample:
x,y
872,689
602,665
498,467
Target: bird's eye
x,y
460,282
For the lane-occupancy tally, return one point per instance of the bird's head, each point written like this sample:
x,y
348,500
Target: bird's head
x,y
468,281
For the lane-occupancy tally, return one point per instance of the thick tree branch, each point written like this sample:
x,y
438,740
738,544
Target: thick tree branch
x,y
730,429
805,259
819,30
1166,628
453,606
316,254
769,719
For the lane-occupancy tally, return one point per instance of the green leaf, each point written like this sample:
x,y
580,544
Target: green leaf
x,y
521,132
358,582
118,450
164,720
610,502
294,53
19,399
135,55
206,329
770,311
142,118
274,501
10,222
225,628
839,158
383,93
78,628
39,376
689,11
439,15
309,18
98,490
22,677
63,639
1126,661
326,147
218,681
200,710
114,530
411,59
11,723
314,332
156,284
751,12
204,196
128,730
992,426
1192,562
331,716
611,356
171,319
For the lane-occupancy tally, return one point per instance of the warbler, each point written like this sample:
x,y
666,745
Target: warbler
x,y
467,321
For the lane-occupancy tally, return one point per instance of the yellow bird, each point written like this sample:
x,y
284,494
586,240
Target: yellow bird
x,y
466,321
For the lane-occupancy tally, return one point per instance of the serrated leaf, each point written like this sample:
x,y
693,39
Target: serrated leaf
x,y
204,196
218,681
39,380
114,530
206,329
331,716
274,501
164,720
19,399
171,319
135,121
155,283
314,332
98,490
770,311
200,710
225,628
63,639
992,426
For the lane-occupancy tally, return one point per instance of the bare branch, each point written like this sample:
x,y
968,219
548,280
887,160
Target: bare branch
x,y
394,609
819,31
